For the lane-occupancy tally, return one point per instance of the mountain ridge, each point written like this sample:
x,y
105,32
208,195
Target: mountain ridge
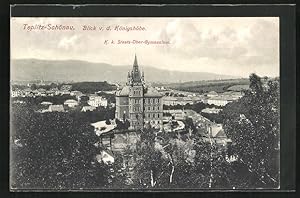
x,y
78,71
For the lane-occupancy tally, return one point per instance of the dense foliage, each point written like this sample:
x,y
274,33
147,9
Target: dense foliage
x,y
56,150
53,150
253,125
35,101
92,87
198,107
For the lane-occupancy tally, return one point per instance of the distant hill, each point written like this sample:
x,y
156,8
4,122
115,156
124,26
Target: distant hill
x,y
78,71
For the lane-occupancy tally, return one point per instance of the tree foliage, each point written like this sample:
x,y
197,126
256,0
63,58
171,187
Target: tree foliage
x,y
92,87
53,151
253,125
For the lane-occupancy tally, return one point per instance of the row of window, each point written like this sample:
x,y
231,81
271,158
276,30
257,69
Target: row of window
x,y
136,108
148,101
153,108
154,115
136,92
151,100
149,108
152,122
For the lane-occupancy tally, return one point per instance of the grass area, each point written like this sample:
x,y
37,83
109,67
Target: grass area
x,y
212,85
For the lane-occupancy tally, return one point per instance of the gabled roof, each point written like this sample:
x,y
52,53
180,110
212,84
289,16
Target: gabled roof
x,y
213,93
124,91
221,134
46,103
109,152
151,92
70,101
56,108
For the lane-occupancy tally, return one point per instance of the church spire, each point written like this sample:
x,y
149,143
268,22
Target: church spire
x,y
136,74
135,64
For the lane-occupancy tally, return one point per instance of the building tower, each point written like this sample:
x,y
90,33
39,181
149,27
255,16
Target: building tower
x,y
136,95
137,102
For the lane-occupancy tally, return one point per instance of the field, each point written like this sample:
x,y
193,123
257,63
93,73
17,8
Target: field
x,y
213,85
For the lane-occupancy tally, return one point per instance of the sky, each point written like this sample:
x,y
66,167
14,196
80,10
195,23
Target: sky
x,y
231,45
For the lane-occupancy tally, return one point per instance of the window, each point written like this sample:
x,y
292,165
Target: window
x,y
148,115
158,108
153,115
149,108
157,115
148,100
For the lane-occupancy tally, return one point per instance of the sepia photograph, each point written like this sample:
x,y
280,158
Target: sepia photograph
x,y
144,103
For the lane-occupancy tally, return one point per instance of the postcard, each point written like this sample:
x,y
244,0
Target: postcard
x,y
144,103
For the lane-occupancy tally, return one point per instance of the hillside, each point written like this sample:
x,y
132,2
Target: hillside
x,y
211,85
78,71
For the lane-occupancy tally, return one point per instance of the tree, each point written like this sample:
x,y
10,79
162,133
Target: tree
x,y
54,150
253,125
122,125
190,124
33,87
107,121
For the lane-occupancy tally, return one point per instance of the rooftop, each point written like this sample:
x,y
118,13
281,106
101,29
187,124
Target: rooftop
x,y
152,92
123,92
70,101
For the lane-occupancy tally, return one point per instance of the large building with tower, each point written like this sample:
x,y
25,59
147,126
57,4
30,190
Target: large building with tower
x,y
137,102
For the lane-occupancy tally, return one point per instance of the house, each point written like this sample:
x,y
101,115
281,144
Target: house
x,y
191,154
16,93
88,108
97,101
178,114
55,90
214,129
27,92
211,110
107,157
168,100
66,87
41,92
197,99
50,93
212,94
46,103
101,127
71,103
219,100
57,108
216,132
77,94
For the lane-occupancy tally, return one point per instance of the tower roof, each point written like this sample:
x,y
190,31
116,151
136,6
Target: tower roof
x,y
136,74
135,64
